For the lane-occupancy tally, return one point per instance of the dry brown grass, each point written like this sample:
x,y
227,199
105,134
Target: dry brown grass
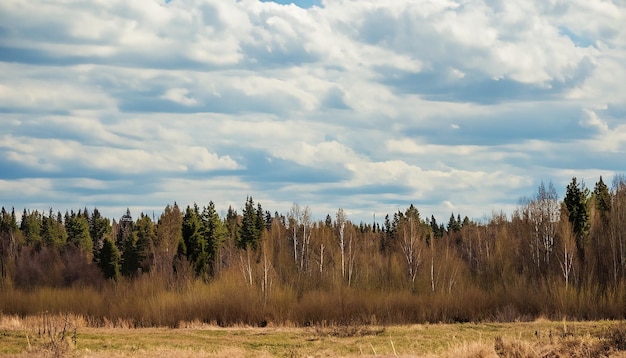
x,y
542,338
228,300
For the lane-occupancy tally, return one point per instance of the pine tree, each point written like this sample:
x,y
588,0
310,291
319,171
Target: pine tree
x,y
4,220
249,231
435,227
232,225
109,261
260,220
99,229
8,222
77,229
214,234
576,203
454,225
602,200
191,227
194,240
130,257
13,220
268,220
466,222
53,233
125,228
145,231
31,228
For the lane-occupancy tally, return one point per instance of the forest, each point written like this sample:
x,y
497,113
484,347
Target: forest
x,y
551,257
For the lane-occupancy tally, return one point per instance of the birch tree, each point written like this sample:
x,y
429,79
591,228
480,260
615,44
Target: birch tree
x,y
168,237
294,223
617,231
305,222
409,230
567,250
341,225
545,217
540,218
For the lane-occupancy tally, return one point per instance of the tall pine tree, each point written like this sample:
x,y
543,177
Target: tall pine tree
x,y
576,203
250,234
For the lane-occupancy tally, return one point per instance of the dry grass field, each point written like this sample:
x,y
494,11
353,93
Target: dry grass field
x,y
72,336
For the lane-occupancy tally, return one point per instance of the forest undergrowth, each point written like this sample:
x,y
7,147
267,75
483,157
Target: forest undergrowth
x,y
229,301
551,258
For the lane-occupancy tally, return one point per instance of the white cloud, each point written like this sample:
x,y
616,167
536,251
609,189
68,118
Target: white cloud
x,y
54,155
459,105
27,187
179,95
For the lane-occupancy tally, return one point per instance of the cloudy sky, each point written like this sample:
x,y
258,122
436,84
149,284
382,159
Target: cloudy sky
x,y
368,105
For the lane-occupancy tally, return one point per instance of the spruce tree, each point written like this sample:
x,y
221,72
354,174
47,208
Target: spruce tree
x,y
454,225
31,228
232,225
602,199
145,231
109,261
249,231
130,257
193,239
99,228
576,203
435,227
77,229
214,234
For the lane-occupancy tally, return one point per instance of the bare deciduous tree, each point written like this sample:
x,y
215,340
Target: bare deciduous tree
x,y
567,247
341,225
305,222
410,243
168,236
294,223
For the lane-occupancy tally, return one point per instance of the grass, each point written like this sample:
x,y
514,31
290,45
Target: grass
x,y
22,337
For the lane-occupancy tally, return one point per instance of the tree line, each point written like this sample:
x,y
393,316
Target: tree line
x,y
577,244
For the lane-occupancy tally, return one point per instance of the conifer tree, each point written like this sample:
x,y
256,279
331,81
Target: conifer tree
x,y
260,220
31,227
194,240
130,257
249,231
53,232
109,261
99,228
125,228
576,203
214,234
454,225
232,225
145,231
602,199
387,236
8,222
77,229
435,227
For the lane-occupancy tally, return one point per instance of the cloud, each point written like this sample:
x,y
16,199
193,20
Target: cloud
x,y
179,95
365,105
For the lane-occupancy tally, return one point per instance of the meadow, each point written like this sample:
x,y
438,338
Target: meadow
x,y
68,335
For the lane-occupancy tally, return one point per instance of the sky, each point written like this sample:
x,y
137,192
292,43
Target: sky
x,y
455,106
